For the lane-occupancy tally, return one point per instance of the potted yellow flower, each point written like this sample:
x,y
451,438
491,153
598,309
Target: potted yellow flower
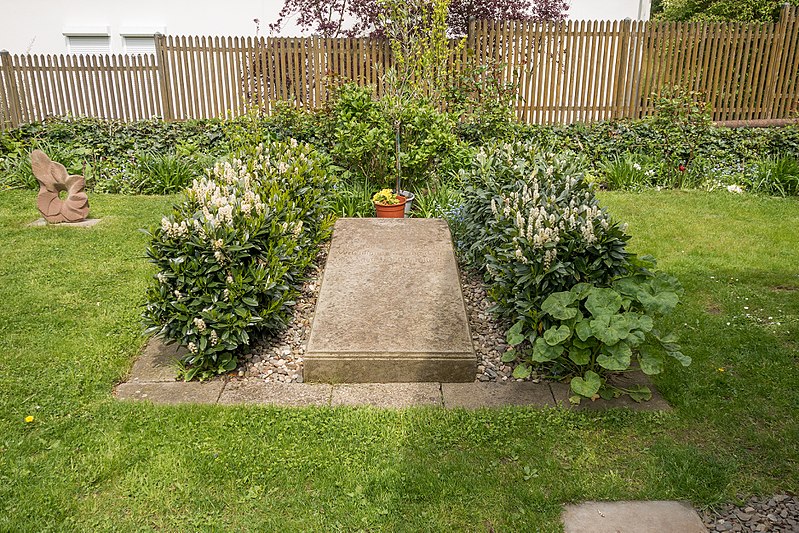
x,y
389,204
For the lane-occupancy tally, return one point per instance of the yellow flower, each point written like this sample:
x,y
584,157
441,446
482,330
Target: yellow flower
x,y
721,369
28,419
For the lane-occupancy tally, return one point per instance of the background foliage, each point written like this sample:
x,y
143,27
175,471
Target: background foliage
x,y
719,10
353,18
155,157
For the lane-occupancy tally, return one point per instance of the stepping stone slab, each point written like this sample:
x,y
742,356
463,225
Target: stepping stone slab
x,y
479,395
173,393
281,394
388,395
157,362
390,308
632,517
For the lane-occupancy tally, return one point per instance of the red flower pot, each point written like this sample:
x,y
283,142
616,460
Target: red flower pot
x,y
391,211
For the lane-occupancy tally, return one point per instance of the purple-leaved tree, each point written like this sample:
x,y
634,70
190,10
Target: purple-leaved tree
x,y
355,18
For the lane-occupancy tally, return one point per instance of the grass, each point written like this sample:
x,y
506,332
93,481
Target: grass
x,y
69,330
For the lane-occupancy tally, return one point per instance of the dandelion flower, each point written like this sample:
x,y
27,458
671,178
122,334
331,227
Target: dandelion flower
x,y
28,419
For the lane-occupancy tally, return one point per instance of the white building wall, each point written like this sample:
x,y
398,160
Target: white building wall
x,y
40,26
609,9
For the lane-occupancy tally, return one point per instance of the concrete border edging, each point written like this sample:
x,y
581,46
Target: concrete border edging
x,y
153,379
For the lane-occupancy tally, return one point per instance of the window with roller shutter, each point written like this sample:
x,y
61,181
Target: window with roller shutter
x,y
88,44
139,45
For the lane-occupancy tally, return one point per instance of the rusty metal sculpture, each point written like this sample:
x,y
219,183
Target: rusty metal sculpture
x,y
53,180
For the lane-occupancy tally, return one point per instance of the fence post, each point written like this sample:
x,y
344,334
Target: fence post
x,y
621,83
163,83
776,59
12,92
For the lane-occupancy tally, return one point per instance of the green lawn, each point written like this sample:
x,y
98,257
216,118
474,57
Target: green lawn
x,y
69,331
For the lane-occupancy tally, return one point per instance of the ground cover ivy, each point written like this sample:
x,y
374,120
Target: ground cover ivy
x,y
675,148
231,255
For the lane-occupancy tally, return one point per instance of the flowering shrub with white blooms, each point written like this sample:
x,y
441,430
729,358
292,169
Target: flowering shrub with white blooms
x,y
533,224
231,255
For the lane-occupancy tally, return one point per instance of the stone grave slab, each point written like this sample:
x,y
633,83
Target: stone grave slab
x,y
390,308
632,517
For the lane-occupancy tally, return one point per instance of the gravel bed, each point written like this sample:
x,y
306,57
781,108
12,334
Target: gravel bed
x,y
778,514
488,332
278,358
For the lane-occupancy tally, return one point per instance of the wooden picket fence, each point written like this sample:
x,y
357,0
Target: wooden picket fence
x,y
575,71
587,71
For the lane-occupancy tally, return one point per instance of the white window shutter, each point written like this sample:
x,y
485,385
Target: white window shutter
x,y
139,45
88,45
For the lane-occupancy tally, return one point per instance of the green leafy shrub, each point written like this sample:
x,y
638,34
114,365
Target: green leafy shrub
x,y
290,122
557,268
535,225
353,199
167,173
626,172
438,200
231,255
482,102
354,130
682,147
15,166
595,331
360,138
681,122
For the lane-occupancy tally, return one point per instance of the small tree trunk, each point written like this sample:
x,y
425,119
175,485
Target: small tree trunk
x,y
397,150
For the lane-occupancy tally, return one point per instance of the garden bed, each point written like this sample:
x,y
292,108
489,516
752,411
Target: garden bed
x,y
279,358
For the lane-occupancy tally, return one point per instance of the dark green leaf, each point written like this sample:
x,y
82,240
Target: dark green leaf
x,y
543,352
580,356
640,393
650,360
522,371
603,301
509,356
616,357
583,330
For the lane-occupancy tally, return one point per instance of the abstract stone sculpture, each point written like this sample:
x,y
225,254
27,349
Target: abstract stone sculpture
x,y
53,179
